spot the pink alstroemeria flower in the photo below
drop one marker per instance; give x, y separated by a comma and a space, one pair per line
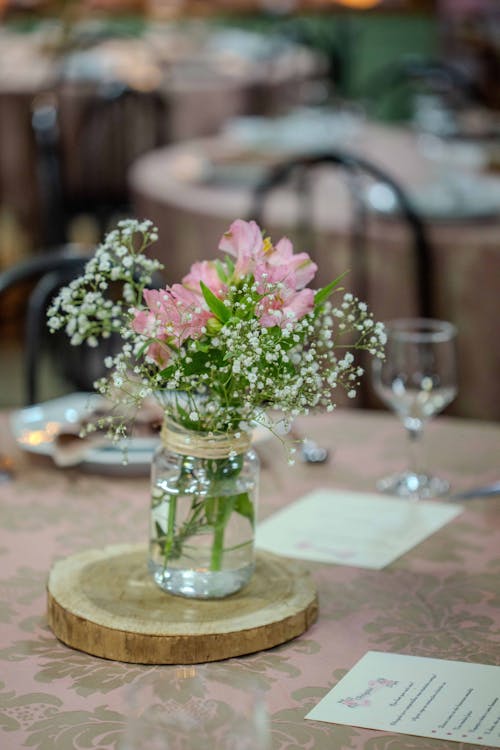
174, 314
300, 263
159, 353
285, 307
266, 274
205, 271
270, 266
243, 240
192, 312
149, 325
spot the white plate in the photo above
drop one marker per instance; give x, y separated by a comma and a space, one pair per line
473, 198
35, 428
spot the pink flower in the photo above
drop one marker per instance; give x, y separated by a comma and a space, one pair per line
159, 353
300, 263
289, 301
205, 271
301, 303
266, 274
188, 313
174, 314
147, 323
243, 240
284, 307
144, 322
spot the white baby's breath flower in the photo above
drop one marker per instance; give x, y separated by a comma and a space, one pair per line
230, 367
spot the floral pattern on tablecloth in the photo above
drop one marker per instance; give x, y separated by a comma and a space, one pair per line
441, 599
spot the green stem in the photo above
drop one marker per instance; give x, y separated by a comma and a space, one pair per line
224, 511
217, 547
170, 536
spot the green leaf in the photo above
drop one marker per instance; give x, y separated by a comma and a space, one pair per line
202, 347
229, 265
214, 304
244, 506
144, 348
198, 362
221, 271
167, 372
323, 294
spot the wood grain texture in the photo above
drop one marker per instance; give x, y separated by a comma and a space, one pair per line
105, 603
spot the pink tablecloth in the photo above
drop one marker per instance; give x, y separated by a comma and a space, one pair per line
173, 188
441, 599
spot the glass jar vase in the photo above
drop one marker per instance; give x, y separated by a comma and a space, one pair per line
204, 493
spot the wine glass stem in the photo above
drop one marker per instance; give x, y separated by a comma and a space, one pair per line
415, 439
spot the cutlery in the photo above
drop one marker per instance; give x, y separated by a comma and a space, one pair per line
312, 453
487, 490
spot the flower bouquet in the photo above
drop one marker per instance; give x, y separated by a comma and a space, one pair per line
242, 340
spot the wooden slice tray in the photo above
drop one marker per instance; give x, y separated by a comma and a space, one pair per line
104, 602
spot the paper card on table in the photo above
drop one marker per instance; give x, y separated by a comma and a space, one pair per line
352, 528
416, 695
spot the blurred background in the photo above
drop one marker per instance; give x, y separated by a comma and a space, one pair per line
182, 111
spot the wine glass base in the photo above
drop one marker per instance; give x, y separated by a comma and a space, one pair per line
414, 486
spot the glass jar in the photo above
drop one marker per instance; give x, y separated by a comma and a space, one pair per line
204, 493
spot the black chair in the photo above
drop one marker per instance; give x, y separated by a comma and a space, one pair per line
42, 275
393, 90
47, 272
299, 172
82, 164
355, 169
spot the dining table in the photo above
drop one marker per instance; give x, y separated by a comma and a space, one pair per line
204, 73
193, 190
439, 599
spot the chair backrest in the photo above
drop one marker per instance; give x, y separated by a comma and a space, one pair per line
354, 167
47, 272
117, 124
79, 366
398, 85
83, 158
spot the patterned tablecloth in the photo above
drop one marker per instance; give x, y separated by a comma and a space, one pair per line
441, 599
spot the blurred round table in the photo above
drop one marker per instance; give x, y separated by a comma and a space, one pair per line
205, 74
194, 190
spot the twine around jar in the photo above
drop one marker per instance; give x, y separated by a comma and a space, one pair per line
204, 445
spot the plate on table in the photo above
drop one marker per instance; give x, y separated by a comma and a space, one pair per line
36, 427
473, 198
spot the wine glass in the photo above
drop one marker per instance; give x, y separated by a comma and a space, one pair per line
417, 379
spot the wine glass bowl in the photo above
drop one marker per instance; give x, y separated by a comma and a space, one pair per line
417, 379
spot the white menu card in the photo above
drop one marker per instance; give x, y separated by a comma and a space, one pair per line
352, 528
449, 700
